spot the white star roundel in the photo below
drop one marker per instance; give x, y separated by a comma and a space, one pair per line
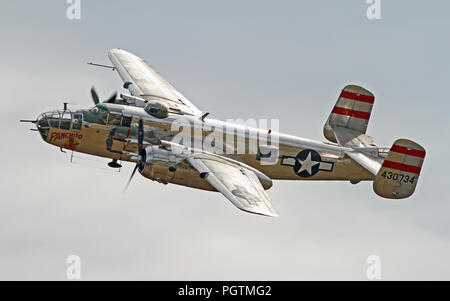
307, 163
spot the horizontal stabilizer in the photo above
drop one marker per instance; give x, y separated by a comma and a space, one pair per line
367, 161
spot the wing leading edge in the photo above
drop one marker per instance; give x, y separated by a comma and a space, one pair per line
144, 82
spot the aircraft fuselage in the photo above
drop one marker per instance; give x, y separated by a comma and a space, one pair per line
110, 130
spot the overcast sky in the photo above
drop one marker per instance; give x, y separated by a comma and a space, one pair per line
235, 59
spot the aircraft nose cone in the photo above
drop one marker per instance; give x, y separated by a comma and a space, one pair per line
42, 121
43, 125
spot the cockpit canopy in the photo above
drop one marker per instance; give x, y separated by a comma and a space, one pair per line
60, 119
102, 115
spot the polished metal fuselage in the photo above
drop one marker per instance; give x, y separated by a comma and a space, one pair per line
118, 142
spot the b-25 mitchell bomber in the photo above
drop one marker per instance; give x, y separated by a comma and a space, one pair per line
164, 134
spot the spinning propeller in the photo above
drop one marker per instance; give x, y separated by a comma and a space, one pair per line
96, 99
141, 151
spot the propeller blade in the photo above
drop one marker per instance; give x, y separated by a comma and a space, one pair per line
112, 98
131, 177
140, 137
94, 96
140, 134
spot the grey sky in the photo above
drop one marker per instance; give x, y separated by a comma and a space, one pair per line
256, 59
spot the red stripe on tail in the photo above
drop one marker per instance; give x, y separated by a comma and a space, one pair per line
357, 96
352, 113
401, 166
408, 151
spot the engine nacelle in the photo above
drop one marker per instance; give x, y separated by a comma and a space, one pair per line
159, 164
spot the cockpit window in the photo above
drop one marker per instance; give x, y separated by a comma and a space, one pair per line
103, 116
53, 119
65, 121
114, 119
77, 121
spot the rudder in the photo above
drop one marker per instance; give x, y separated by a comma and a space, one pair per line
350, 115
397, 177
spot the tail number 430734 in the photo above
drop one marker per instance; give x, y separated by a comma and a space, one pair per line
399, 178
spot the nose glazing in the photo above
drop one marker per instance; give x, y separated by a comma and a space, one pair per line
42, 121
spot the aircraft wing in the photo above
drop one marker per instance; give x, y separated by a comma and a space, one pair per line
146, 83
236, 182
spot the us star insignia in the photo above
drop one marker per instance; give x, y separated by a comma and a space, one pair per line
307, 163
